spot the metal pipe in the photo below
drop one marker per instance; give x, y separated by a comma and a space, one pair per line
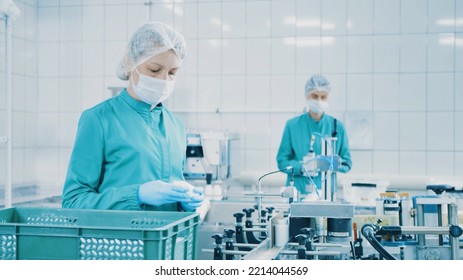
439, 223
245, 245
333, 181
260, 224
255, 229
267, 194
260, 192
259, 198
369, 231
321, 245
453, 214
454, 241
9, 109
312, 253
424, 230
324, 179
228, 252
9, 13
420, 222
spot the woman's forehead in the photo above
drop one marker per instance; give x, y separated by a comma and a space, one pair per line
166, 59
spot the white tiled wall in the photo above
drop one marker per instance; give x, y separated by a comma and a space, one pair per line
24, 96
398, 62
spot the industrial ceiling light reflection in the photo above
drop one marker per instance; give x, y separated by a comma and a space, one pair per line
177, 10
450, 22
328, 25
289, 41
450, 40
226, 27
302, 22
215, 21
308, 42
328, 40
213, 43
349, 24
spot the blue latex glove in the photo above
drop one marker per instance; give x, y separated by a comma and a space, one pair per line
195, 201
325, 163
158, 192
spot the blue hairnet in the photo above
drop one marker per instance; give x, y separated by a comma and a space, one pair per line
317, 83
150, 40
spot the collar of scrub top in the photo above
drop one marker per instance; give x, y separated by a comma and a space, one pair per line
138, 106
309, 118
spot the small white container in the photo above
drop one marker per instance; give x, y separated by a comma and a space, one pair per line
208, 191
281, 232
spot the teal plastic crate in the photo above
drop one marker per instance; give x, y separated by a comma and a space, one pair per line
78, 234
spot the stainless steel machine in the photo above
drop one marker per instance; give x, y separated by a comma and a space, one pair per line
328, 228
320, 229
208, 155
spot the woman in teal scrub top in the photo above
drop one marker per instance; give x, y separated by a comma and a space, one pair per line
129, 150
298, 132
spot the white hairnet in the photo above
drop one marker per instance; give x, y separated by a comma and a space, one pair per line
150, 40
317, 83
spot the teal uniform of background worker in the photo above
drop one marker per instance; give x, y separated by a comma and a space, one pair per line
130, 150
297, 135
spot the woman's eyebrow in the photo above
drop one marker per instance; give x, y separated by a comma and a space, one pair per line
155, 64
160, 65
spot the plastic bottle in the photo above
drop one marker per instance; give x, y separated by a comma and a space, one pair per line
281, 232
208, 191
310, 159
217, 192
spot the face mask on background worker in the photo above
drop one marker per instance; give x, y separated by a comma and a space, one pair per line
317, 106
317, 90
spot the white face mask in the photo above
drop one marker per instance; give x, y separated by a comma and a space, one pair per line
317, 106
152, 90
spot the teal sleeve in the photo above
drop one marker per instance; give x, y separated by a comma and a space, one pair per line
286, 155
85, 171
344, 151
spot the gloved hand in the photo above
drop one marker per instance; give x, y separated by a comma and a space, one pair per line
196, 196
325, 163
158, 192
195, 201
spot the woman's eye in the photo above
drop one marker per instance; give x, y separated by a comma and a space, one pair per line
171, 73
154, 70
